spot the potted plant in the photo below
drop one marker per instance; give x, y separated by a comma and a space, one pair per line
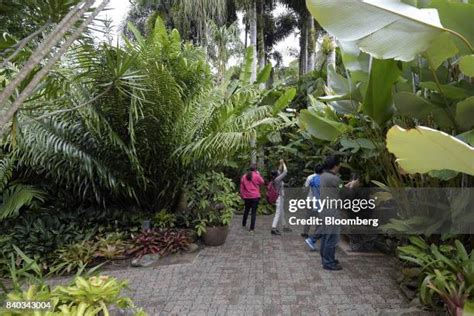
212, 199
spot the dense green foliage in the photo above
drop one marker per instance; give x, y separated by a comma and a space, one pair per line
84, 295
212, 199
447, 272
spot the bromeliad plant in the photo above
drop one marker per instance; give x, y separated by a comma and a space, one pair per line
213, 199
147, 242
85, 295
94, 295
173, 241
72, 257
447, 272
112, 246
159, 241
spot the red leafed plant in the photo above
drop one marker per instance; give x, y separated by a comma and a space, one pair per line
154, 241
147, 242
173, 241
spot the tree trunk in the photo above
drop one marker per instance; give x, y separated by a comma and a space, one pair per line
261, 158
253, 37
311, 43
319, 52
253, 150
246, 34
303, 48
331, 59
252, 16
203, 29
260, 34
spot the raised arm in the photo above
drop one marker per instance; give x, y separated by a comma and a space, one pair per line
283, 171
259, 179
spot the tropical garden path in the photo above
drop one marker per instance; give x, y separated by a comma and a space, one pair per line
260, 274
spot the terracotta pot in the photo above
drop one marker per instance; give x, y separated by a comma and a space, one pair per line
215, 236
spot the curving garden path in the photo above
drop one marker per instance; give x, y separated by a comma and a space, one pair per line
260, 274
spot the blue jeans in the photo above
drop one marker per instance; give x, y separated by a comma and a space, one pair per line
329, 239
329, 242
317, 234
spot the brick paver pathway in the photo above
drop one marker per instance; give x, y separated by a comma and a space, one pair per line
260, 274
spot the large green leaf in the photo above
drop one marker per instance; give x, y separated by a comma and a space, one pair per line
246, 72
458, 17
283, 101
465, 113
138, 36
384, 29
467, 137
355, 61
466, 64
337, 84
342, 94
321, 127
449, 91
441, 49
411, 105
378, 101
264, 74
356, 144
422, 149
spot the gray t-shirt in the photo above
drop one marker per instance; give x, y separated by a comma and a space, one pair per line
331, 187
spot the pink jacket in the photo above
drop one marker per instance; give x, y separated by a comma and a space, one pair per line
250, 189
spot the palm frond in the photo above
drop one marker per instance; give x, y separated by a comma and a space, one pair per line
7, 164
17, 196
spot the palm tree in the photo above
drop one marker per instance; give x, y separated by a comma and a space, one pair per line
228, 119
188, 16
224, 42
252, 17
310, 36
311, 43
299, 8
55, 37
202, 12
101, 118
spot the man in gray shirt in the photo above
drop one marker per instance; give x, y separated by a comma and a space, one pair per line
331, 189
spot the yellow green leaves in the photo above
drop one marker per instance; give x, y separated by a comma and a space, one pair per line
422, 149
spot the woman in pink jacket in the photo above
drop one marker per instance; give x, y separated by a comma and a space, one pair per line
250, 193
